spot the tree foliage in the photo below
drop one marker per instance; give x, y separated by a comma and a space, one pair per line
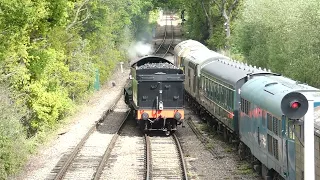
208, 21
282, 36
50, 51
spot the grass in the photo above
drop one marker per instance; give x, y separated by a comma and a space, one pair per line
228, 149
245, 169
209, 145
191, 175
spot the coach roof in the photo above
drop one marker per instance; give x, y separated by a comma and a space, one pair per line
230, 71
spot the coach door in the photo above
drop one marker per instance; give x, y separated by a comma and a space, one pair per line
191, 73
289, 149
195, 79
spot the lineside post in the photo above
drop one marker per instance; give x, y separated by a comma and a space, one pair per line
309, 170
121, 66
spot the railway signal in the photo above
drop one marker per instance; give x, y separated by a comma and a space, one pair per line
294, 105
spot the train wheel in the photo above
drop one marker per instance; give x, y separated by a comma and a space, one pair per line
265, 172
230, 138
225, 134
241, 151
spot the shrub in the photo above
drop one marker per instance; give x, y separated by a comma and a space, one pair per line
13, 147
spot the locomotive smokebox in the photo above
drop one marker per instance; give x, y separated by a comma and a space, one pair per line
294, 105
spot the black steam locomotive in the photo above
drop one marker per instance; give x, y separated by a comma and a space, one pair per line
156, 93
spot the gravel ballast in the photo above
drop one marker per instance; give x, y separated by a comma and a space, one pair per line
201, 164
127, 159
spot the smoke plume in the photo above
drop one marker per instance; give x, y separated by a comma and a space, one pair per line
139, 49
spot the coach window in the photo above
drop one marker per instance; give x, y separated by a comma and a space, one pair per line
206, 86
247, 107
224, 95
290, 132
202, 79
182, 62
232, 96
210, 89
220, 93
226, 101
230, 99
227, 98
299, 131
215, 91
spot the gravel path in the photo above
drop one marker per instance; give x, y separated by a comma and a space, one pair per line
201, 164
41, 164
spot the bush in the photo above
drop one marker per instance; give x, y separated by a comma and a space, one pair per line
282, 36
13, 147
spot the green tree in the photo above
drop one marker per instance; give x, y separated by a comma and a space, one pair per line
282, 36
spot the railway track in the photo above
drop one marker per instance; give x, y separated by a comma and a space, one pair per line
87, 159
203, 139
164, 158
164, 45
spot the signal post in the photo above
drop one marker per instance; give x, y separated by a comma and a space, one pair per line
309, 172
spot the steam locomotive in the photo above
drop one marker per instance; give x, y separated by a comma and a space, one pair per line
155, 93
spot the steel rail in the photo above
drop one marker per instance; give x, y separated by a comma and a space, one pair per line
182, 159
171, 42
164, 37
200, 136
76, 150
148, 157
110, 147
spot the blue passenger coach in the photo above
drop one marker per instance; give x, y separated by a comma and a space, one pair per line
271, 123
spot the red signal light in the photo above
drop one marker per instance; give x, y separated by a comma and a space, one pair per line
295, 105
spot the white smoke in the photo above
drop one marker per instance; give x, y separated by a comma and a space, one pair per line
138, 49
